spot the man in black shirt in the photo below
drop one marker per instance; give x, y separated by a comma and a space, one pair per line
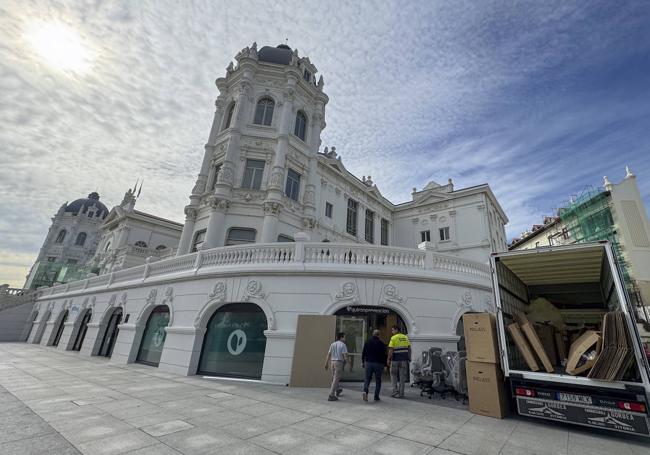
373, 359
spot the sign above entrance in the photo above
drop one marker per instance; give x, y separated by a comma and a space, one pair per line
367, 310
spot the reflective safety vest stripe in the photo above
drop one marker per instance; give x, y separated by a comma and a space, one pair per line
400, 344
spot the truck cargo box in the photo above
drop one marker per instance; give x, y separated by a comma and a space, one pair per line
596, 373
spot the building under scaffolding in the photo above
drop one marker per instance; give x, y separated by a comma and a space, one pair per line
614, 213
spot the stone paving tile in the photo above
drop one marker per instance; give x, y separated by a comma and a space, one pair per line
198, 440
86, 430
283, 440
161, 429
156, 449
423, 435
391, 445
240, 448
355, 438
117, 444
318, 426
50, 444
473, 444
251, 428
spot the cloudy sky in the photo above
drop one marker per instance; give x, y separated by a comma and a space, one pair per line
538, 99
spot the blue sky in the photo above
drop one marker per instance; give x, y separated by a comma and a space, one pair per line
538, 99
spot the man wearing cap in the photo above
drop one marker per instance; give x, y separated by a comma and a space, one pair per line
399, 356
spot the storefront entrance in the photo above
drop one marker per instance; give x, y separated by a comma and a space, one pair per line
59, 329
358, 323
153, 338
110, 335
234, 342
81, 333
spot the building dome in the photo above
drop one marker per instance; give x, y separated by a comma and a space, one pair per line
280, 55
82, 206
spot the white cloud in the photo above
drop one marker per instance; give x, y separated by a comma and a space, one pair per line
417, 92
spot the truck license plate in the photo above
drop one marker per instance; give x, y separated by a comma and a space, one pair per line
574, 398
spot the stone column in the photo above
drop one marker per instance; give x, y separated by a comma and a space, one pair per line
122, 237
185, 242
270, 224
127, 343
214, 235
378, 218
452, 228
361, 222
273, 202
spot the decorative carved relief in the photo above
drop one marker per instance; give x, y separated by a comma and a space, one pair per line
390, 294
219, 292
123, 300
226, 175
151, 299
218, 203
190, 213
348, 294
199, 186
169, 296
272, 208
309, 223
309, 197
276, 179
254, 289
112, 300
489, 304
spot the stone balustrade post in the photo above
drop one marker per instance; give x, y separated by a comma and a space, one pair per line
428, 249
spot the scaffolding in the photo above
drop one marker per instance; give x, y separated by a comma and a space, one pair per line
588, 218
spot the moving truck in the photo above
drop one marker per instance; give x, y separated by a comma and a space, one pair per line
567, 294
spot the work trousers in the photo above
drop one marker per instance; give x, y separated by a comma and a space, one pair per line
398, 372
376, 369
337, 372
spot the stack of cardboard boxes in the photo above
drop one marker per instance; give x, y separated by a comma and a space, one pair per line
485, 384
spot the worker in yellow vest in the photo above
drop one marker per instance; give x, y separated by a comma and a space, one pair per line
399, 356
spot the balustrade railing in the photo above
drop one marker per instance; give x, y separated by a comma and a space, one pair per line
312, 254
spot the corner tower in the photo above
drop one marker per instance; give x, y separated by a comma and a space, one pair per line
258, 178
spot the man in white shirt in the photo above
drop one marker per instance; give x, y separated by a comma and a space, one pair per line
337, 356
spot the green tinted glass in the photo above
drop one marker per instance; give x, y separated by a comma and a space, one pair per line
234, 343
153, 338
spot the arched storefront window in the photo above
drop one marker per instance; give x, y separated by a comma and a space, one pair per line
81, 333
234, 343
358, 323
110, 334
59, 329
153, 338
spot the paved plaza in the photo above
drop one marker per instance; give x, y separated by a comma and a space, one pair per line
54, 402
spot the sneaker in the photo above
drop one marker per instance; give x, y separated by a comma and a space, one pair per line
339, 392
365, 396
377, 399
332, 398
394, 395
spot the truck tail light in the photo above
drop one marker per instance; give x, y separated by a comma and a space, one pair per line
631, 406
521, 391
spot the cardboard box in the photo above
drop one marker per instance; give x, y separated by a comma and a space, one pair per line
486, 389
523, 346
481, 337
588, 341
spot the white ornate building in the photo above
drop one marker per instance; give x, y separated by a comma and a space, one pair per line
275, 229
130, 237
70, 242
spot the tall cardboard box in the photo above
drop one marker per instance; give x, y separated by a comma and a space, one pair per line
481, 337
486, 389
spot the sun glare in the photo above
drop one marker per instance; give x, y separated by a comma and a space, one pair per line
60, 46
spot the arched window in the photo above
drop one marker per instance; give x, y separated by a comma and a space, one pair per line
199, 239
81, 239
161, 247
141, 244
301, 125
108, 245
264, 112
153, 338
237, 236
234, 343
229, 114
61, 237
